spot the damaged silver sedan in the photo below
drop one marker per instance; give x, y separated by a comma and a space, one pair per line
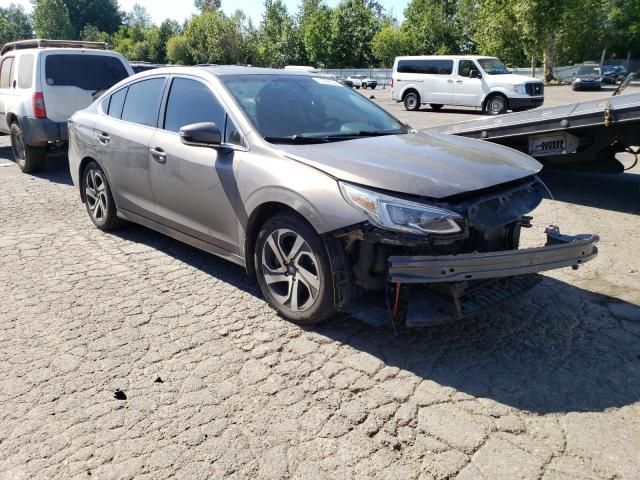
332, 203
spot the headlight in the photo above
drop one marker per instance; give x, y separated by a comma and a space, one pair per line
519, 88
578, 80
401, 215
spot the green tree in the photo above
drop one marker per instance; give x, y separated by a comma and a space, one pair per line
91, 33
277, 36
315, 30
389, 43
14, 24
354, 23
432, 27
178, 51
168, 28
51, 20
102, 14
208, 5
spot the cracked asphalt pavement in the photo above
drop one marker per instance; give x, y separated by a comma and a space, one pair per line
218, 386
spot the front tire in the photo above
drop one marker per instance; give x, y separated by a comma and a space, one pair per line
293, 270
98, 198
412, 101
496, 105
29, 159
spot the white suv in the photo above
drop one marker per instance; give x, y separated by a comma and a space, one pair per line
43, 83
474, 81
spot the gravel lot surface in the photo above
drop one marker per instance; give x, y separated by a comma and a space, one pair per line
218, 386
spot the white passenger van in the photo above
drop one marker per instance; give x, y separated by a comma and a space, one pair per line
474, 81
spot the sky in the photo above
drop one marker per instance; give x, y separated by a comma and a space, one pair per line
183, 9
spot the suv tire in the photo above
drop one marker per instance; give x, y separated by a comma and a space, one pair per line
98, 198
412, 101
287, 246
29, 159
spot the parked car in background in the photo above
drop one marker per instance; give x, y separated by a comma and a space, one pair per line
344, 81
138, 67
363, 81
613, 73
334, 204
42, 83
474, 81
588, 76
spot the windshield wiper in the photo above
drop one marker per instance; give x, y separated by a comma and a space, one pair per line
297, 139
364, 133
101, 89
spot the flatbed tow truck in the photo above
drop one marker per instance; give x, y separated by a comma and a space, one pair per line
586, 136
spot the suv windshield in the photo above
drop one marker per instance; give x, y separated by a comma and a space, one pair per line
88, 72
588, 70
306, 109
493, 66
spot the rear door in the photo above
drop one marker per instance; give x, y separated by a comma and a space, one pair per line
7, 92
72, 80
467, 91
194, 188
122, 136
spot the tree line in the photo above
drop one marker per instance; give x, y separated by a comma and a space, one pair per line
353, 34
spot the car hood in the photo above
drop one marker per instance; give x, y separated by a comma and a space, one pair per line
424, 164
510, 79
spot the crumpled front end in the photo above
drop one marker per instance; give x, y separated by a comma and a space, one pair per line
432, 279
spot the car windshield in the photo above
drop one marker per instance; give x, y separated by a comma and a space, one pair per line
307, 109
588, 70
493, 66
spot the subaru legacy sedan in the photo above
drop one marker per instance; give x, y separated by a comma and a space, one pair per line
331, 202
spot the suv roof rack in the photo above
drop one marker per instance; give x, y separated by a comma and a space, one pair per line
42, 43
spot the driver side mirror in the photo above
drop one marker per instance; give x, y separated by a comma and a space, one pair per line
204, 134
474, 74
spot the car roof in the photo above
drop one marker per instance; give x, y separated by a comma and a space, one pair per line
445, 57
224, 70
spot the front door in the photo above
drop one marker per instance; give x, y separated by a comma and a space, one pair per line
467, 91
194, 187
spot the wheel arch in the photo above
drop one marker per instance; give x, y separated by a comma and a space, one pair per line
493, 94
408, 90
82, 166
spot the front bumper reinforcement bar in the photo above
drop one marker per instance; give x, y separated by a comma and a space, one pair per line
560, 251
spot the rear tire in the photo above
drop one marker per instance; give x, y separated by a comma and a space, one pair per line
436, 106
412, 101
293, 270
98, 198
29, 159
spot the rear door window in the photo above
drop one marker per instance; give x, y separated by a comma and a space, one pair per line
25, 71
142, 104
6, 71
116, 102
428, 67
88, 72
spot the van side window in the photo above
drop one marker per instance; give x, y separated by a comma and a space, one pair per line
6, 70
429, 67
25, 71
142, 104
465, 66
116, 102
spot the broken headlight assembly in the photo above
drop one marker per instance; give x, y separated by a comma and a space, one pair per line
401, 215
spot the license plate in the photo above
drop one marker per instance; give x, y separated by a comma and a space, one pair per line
553, 144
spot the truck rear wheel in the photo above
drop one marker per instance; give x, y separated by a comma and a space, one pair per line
412, 101
29, 159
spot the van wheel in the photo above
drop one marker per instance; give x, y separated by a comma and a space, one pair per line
412, 101
496, 104
293, 270
29, 159
436, 106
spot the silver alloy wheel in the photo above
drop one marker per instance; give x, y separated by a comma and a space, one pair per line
290, 270
95, 191
496, 105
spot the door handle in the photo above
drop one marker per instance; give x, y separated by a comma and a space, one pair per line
449, 81
104, 138
458, 81
158, 155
